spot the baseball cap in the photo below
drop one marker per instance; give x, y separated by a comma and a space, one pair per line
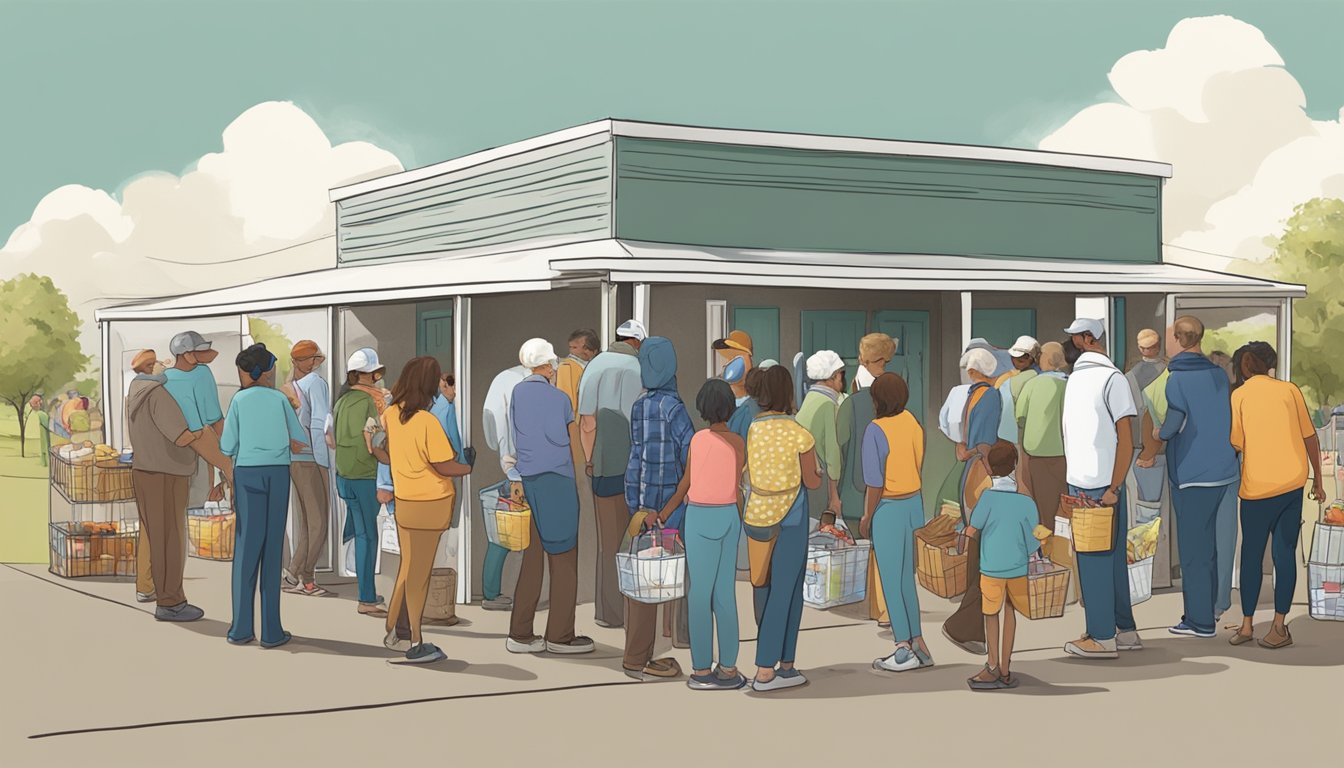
144, 359
1023, 346
364, 360
188, 341
304, 350
536, 353
823, 365
632, 329
1086, 325
738, 340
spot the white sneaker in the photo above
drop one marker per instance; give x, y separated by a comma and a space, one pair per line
1128, 641
902, 660
1092, 648
535, 645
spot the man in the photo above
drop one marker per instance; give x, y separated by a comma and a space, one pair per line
817, 414
660, 442
542, 421
192, 385
1025, 355
161, 473
1203, 470
143, 364
607, 393
308, 470
499, 437
583, 347
1151, 464
734, 345
43, 425
1039, 411
1098, 447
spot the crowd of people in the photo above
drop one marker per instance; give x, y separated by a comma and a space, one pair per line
1031, 424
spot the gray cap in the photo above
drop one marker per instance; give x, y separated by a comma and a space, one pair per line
187, 341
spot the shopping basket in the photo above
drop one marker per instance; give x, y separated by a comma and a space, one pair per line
1093, 526
1047, 589
654, 570
211, 531
1141, 581
1325, 570
836, 571
941, 569
508, 522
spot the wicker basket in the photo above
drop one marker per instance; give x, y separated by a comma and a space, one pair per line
508, 522
76, 551
940, 568
211, 533
1093, 529
1047, 589
86, 480
837, 573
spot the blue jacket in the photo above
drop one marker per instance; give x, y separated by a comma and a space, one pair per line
1198, 429
660, 433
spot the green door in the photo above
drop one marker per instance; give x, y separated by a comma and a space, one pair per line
762, 325
434, 336
1001, 327
836, 330
910, 329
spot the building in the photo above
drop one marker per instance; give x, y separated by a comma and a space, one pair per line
806, 242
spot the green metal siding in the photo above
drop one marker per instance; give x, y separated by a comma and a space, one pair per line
567, 196
758, 197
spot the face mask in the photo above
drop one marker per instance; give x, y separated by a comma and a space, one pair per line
735, 371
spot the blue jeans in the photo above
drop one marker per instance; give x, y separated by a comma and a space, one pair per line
492, 572
779, 604
1279, 517
1104, 578
711, 538
1197, 542
361, 505
1226, 530
262, 498
894, 525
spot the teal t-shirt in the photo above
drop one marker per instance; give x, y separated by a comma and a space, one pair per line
258, 428
1007, 523
196, 394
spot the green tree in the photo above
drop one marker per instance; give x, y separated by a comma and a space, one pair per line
1311, 252
39, 343
273, 336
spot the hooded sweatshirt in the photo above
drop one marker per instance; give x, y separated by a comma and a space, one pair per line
155, 422
660, 433
1198, 426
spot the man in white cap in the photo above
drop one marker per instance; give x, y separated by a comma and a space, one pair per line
354, 418
542, 420
499, 438
1098, 448
817, 414
1026, 355
192, 385
607, 392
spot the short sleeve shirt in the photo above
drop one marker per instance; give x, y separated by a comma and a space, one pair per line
774, 444
1095, 398
1270, 425
1007, 523
196, 394
413, 447
353, 460
893, 454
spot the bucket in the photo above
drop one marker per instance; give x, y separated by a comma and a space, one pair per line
441, 604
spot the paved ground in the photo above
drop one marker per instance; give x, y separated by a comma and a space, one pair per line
90, 678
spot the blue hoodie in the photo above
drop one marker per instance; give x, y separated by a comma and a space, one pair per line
1198, 429
660, 433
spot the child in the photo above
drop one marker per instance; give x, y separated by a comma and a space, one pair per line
1007, 524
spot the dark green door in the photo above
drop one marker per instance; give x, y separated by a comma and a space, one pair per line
910, 329
434, 336
836, 330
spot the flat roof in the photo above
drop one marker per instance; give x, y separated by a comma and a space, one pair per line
783, 140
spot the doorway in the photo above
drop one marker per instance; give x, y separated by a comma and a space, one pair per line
910, 329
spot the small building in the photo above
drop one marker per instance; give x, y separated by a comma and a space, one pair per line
806, 242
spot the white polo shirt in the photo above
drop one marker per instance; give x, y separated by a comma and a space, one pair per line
1097, 396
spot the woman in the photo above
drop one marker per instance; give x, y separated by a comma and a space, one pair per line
360, 405
893, 455
260, 432
423, 466
1272, 430
781, 464
712, 529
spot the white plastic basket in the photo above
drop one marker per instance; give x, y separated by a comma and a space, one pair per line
836, 571
1325, 591
654, 570
1327, 544
1141, 581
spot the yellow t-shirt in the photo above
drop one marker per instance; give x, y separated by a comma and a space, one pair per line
773, 448
1269, 423
413, 446
905, 454
567, 378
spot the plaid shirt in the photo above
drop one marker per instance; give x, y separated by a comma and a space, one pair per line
660, 439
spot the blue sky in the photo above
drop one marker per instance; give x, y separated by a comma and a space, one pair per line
96, 93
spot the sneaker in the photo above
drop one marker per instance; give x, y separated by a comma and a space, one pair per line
294, 589
779, 682
290, 579
180, 612
394, 643
791, 672
579, 644
925, 659
902, 660
657, 669
277, 643
884, 625
1089, 648
1188, 630
500, 603
973, 647
717, 680
241, 641
424, 653
372, 609
146, 597
531, 645
607, 624
1128, 641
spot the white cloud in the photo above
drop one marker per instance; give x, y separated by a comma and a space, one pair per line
167, 235
1218, 105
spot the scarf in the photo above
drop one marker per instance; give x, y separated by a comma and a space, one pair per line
377, 394
1004, 484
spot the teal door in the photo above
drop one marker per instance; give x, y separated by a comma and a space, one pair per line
1001, 327
910, 329
836, 330
762, 325
434, 336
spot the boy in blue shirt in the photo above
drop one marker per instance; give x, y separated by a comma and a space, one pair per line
1007, 524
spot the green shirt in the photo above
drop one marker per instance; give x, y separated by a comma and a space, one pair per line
352, 412
1040, 414
1155, 398
818, 416
856, 413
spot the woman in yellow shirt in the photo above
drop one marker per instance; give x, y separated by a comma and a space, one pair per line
423, 467
1274, 434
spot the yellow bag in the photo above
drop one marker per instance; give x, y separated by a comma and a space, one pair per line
1093, 529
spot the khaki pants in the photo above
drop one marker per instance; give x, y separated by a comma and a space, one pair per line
418, 547
613, 517
311, 522
564, 592
144, 577
161, 501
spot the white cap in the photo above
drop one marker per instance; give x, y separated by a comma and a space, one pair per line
363, 361
1086, 325
823, 365
980, 360
536, 353
1023, 346
632, 329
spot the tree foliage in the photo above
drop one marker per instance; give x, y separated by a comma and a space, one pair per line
273, 336
39, 342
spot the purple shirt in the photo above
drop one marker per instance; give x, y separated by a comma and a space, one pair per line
539, 416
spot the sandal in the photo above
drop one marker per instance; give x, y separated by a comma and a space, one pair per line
977, 683
1278, 641
1008, 682
1240, 639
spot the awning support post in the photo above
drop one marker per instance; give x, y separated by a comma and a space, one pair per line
462, 371
111, 426
642, 292
1285, 339
965, 320
607, 298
